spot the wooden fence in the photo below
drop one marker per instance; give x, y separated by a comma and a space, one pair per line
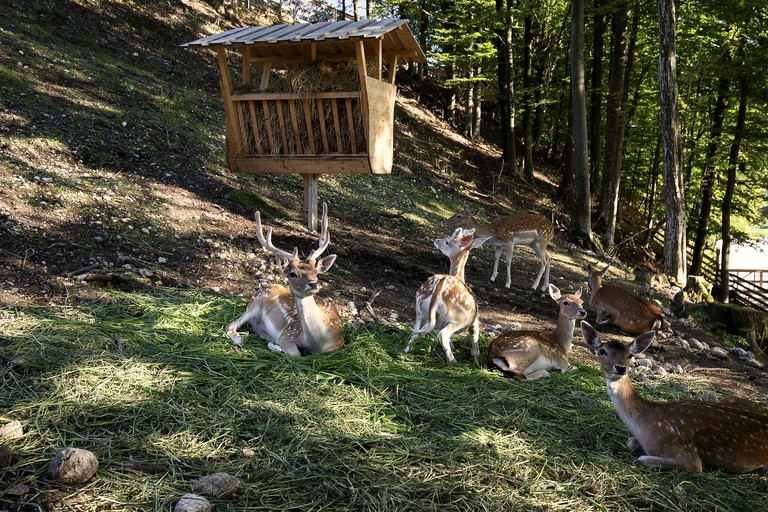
746, 286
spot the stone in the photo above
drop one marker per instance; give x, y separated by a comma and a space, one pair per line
18, 490
719, 352
10, 431
697, 289
756, 364
73, 466
192, 503
5, 456
217, 485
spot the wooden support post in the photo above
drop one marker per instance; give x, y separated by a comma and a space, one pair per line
379, 57
363, 74
392, 69
233, 138
311, 182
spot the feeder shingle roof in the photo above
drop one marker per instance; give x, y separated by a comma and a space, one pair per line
331, 38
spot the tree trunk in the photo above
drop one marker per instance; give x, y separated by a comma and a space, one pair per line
477, 110
581, 210
527, 103
596, 99
469, 107
709, 175
355, 10
423, 33
674, 194
730, 187
504, 46
651, 195
450, 104
614, 130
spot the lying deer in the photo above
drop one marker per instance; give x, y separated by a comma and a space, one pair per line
617, 306
293, 319
529, 355
444, 302
731, 434
532, 230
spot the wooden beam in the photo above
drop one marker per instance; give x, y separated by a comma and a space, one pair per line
266, 69
246, 66
379, 56
362, 72
294, 96
226, 93
392, 69
311, 183
330, 164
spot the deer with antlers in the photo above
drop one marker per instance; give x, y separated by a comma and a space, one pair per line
293, 319
614, 305
444, 302
731, 434
532, 230
531, 355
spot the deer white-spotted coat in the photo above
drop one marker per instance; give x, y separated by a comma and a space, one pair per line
531, 355
731, 435
293, 319
444, 303
532, 230
614, 305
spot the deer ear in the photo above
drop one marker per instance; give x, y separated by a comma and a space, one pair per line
325, 264
642, 342
477, 242
281, 260
554, 292
578, 292
465, 241
590, 336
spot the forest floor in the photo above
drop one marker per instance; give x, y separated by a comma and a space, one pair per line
102, 189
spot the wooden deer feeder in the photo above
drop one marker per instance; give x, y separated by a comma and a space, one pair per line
311, 98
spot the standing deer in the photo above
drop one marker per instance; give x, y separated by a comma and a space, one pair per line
292, 319
532, 230
529, 355
444, 302
688, 435
614, 305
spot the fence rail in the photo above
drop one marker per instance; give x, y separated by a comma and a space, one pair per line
747, 287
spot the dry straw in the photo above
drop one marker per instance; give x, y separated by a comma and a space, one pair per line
150, 383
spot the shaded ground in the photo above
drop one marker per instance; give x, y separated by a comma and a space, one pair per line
111, 156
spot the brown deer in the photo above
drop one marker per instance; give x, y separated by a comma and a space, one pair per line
614, 305
293, 319
532, 230
688, 435
444, 302
530, 355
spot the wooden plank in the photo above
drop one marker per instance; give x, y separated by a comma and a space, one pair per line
246, 66
362, 72
351, 125
310, 131
226, 93
268, 124
242, 148
295, 125
311, 183
323, 132
337, 125
344, 164
294, 96
281, 121
266, 69
379, 57
392, 69
381, 101
255, 126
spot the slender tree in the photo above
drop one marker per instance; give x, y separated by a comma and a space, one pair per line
596, 97
674, 194
505, 75
527, 95
581, 210
709, 176
730, 187
614, 131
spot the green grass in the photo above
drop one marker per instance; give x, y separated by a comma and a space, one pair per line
151, 379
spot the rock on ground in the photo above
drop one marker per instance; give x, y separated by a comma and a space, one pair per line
192, 503
73, 466
217, 485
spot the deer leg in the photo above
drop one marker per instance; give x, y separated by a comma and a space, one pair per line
510, 252
251, 311
685, 462
474, 334
413, 339
287, 346
497, 255
538, 374
445, 341
545, 259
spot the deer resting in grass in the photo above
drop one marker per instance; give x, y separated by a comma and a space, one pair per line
532, 230
444, 303
614, 305
731, 434
530, 355
293, 319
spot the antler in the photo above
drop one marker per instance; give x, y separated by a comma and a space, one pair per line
267, 243
325, 238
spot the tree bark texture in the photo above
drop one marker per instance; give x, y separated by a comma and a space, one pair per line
596, 98
527, 95
674, 194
